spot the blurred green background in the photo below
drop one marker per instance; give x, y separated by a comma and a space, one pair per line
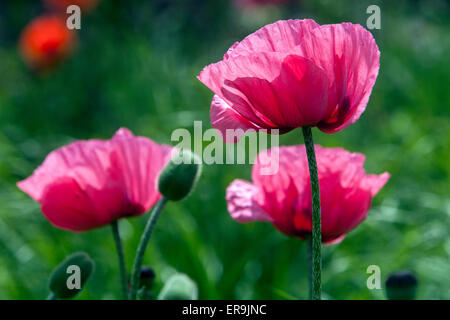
136, 66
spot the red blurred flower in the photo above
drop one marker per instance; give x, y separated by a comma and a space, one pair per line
284, 198
46, 41
292, 74
88, 184
61, 5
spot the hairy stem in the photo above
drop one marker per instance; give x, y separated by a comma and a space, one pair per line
121, 258
316, 225
309, 265
51, 296
135, 276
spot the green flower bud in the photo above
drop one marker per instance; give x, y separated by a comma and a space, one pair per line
179, 176
401, 285
147, 277
70, 276
179, 287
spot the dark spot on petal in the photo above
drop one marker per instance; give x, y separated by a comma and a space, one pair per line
343, 109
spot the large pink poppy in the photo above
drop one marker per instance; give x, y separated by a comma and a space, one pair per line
294, 73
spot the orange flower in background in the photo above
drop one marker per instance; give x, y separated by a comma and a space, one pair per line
46, 41
61, 5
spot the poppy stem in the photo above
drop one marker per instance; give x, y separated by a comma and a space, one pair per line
316, 225
121, 257
51, 296
135, 276
309, 265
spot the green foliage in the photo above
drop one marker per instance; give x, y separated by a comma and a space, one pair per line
135, 66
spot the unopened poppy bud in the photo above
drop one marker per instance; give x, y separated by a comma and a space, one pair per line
146, 284
147, 277
69, 277
179, 176
179, 287
401, 285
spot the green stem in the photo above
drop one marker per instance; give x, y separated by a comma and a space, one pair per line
135, 276
51, 296
316, 226
121, 257
309, 265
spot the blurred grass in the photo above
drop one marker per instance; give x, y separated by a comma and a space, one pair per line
135, 66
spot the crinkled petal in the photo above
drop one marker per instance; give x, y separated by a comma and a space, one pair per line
374, 183
281, 36
224, 118
241, 204
350, 57
271, 90
85, 161
140, 161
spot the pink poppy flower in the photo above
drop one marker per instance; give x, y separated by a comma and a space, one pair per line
88, 184
294, 73
284, 198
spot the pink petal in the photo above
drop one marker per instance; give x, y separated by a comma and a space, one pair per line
139, 160
271, 90
219, 78
241, 205
230, 50
85, 161
292, 164
223, 117
334, 240
68, 206
346, 198
374, 183
282, 192
351, 59
281, 36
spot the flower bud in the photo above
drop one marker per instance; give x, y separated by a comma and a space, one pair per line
401, 285
179, 176
179, 287
145, 291
69, 277
147, 277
